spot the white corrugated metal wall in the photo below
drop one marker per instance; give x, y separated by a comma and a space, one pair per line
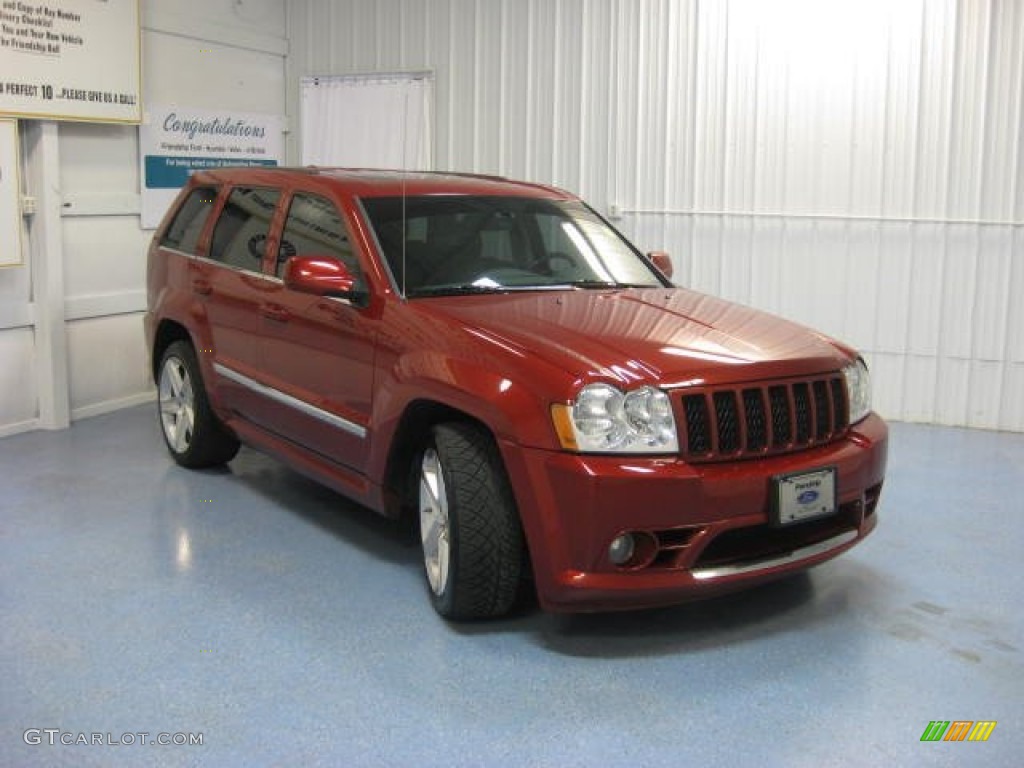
853, 165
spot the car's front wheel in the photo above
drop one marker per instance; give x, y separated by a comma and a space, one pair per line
469, 527
194, 435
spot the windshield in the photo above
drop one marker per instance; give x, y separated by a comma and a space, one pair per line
471, 244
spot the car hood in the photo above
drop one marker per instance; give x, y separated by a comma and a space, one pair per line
671, 337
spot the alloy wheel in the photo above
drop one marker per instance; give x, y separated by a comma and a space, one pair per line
434, 528
177, 405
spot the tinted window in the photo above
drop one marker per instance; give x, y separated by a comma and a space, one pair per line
464, 243
240, 237
188, 223
315, 228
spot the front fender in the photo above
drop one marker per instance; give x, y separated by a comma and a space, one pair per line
512, 406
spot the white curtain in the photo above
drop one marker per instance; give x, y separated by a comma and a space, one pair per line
368, 121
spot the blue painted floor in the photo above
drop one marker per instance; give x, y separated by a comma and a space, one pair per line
290, 628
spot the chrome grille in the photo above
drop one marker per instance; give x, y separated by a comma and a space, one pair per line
760, 419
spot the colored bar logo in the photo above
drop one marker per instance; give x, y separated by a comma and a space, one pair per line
958, 730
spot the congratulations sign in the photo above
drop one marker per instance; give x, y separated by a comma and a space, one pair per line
70, 60
174, 141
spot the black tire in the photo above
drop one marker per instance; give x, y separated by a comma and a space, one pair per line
194, 436
484, 536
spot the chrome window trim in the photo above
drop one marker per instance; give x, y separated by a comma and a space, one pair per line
796, 556
223, 265
241, 270
176, 251
292, 402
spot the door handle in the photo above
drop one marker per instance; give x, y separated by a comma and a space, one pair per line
202, 286
276, 312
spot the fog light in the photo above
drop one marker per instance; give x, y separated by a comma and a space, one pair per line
621, 549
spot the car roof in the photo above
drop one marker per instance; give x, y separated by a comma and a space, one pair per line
370, 182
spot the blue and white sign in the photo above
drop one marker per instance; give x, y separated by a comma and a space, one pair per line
174, 141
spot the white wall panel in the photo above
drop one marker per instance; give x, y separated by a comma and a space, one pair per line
1004, 111
1011, 407
984, 396
888, 377
919, 388
991, 296
19, 408
893, 286
767, 247
256, 25
734, 281
103, 255
98, 385
934, 120
15, 293
1015, 312
959, 291
925, 299
206, 73
854, 166
952, 391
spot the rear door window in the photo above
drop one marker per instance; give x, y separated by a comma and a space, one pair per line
240, 236
184, 231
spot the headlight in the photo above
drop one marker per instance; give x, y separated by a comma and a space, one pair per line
858, 390
604, 419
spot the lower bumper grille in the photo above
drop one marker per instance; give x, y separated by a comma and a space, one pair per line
672, 547
764, 541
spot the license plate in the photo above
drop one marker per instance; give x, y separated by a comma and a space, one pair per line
801, 496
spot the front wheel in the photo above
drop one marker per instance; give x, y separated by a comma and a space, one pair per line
194, 435
469, 527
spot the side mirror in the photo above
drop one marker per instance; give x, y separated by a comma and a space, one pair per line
661, 260
322, 276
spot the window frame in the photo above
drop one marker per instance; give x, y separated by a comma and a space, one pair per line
271, 266
199, 246
273, 227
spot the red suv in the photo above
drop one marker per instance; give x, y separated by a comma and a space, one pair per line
494, 358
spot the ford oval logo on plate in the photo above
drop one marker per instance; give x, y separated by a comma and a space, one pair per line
807, 497
802, 496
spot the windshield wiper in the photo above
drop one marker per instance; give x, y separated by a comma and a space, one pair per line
455, 290
592, 284
589, 285
464, 289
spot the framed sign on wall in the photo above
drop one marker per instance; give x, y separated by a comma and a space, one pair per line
176, 140
70, 60
10, 192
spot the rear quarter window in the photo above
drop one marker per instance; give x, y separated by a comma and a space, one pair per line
188, 222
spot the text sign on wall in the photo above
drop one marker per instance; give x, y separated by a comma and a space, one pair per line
174, 141
70, 59
10, 192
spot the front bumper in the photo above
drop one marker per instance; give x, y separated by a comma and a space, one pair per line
708, 523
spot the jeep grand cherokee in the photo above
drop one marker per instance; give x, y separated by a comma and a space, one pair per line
495, 359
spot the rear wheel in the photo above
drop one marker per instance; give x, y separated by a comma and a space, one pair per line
194, 435
469, 527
